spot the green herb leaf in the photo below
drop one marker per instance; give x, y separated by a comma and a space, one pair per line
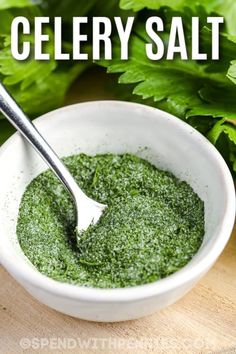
223, 135
6, 4
137, 5
186, 86
38, 86
223, 126
231, 74
191, 90
67, 9
225, 8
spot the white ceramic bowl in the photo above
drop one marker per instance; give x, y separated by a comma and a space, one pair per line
117, 127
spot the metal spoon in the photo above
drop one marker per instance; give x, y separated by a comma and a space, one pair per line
88, 211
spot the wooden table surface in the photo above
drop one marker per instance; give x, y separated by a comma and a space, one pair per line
204, 321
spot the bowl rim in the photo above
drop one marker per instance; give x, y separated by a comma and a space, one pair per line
25, 273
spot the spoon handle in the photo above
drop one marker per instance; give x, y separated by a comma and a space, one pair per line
21, 122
